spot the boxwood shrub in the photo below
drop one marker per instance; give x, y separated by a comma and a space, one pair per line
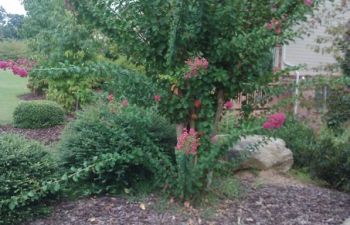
24, 166
120, 147
38, 114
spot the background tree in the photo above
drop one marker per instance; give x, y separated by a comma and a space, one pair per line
59, 41
10, 25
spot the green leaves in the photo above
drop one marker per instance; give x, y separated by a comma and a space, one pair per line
110, 148
27, 168
38, 114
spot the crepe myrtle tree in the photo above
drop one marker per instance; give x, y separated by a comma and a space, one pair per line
203, 53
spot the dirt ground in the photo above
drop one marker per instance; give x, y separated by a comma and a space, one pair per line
44, 135
267, 199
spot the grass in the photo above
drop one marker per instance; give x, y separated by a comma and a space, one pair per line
303, 176
10, 87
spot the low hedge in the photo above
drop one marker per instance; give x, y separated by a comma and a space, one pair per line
25, 165
38, 114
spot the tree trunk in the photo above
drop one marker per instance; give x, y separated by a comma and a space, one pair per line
219, 110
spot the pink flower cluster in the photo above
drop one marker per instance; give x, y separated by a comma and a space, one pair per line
188, 142
275, 25
110, 98
157, 98
19, 71
275, 121
308, 2
125, 103
195, 65
229, 105
20, 67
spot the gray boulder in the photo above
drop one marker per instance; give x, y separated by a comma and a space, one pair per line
262, 153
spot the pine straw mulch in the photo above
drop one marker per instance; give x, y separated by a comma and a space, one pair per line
285, 202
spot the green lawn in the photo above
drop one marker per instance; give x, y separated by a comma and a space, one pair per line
10, 87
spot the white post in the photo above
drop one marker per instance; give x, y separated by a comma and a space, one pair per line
296, 104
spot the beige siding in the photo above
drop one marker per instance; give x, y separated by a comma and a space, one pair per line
301, 52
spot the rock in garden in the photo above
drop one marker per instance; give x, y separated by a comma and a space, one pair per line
347, 222
263, 153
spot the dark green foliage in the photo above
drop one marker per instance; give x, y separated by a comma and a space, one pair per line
24, 166
137, 88
299, 138
331, 160
38, 114
345, 45
338, 105
123, 145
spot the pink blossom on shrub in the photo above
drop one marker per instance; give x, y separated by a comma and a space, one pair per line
275, 25
269, 26
110, 98
125, 103
195, 65
157, 98
214, 139
19, 71
308, 2
188, 142
25, 63
20, 67
197, 103
275, 121
229, 105
3, 65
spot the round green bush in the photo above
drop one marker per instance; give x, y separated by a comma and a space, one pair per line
123, 145
38, 114
24, 166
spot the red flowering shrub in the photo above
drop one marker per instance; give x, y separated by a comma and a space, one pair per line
275, 121
20, 67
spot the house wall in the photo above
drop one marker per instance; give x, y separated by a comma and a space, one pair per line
300, 52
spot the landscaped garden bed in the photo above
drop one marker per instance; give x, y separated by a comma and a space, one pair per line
288, 203
157, 136
45, 135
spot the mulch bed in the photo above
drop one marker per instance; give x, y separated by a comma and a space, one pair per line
265, 205
44, 135
31, 96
